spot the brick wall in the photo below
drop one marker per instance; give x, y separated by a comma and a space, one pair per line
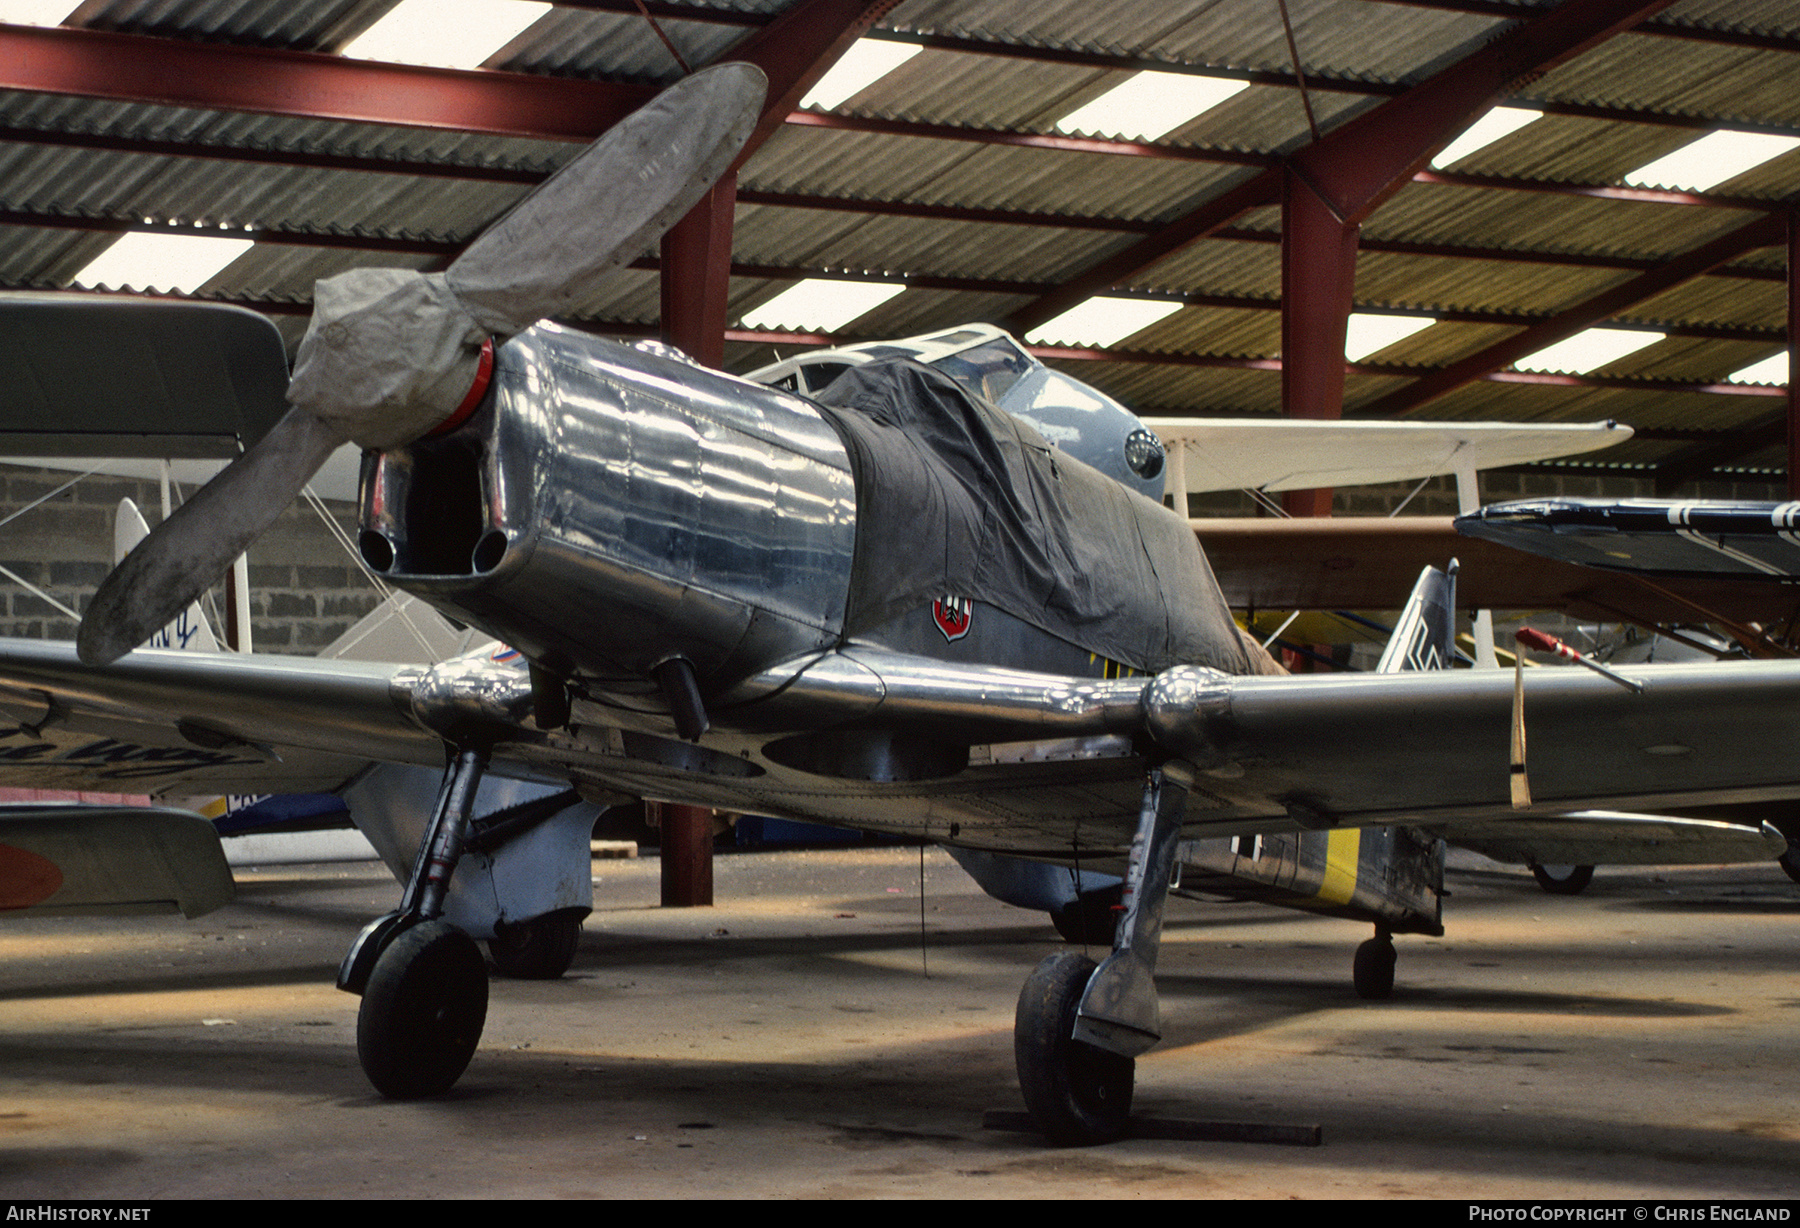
305, 588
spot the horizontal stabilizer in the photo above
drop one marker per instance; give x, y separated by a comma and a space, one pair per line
402, 630
288, 848
75, 859
1608, 837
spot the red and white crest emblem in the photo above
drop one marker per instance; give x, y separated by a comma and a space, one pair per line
953, 616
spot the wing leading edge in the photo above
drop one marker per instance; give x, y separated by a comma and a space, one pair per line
1432, 748
1606, 837
170, 722
1302, 751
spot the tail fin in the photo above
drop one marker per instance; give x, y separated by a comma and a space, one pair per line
1425, 636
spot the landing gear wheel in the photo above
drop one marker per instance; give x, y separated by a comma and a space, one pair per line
1090, 919
1078, 1095
1790, 861
1373, 971
422, 1011
1563, 880
540, 949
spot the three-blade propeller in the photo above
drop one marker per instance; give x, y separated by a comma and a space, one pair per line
391, 354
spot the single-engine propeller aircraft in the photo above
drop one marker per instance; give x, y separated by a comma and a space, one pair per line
889, 605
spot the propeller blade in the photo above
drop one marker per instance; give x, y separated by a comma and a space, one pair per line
192, 548
390, 353
609, 204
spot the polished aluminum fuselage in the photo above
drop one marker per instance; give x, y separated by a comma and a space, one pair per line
611, 507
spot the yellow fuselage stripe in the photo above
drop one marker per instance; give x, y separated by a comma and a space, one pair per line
1343, 851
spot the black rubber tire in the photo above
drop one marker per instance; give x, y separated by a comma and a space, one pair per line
1790, 861
540, 949
422, 1012
1089, 920
1563, 880
1077, 1094
1372, 972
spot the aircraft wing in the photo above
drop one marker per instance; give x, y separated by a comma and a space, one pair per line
69, 859
990, 758
1661, 537
169, 722
179, 379
1360, 563
1432, 748
1054, 759
1608, 837
1278, 454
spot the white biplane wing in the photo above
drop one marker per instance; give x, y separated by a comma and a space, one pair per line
335, 480
1276, 454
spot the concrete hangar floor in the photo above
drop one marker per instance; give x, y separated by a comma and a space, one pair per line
1633, 1041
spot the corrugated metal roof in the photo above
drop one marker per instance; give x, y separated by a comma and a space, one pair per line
917, 138
209, 130
266, 23
614, 46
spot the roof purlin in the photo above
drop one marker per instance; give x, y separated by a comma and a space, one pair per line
1442, 103
1657, 26
1762, 232
272, 81
441, 247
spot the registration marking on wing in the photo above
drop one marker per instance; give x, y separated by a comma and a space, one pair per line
122, 760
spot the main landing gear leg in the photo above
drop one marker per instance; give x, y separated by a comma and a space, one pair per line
422, 980
1079, 1028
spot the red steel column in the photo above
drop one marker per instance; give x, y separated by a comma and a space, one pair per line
687, 879
1318, 275
1359, 165
696, 272
794, 51
1793, 332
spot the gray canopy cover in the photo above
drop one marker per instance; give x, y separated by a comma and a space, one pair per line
955, 497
